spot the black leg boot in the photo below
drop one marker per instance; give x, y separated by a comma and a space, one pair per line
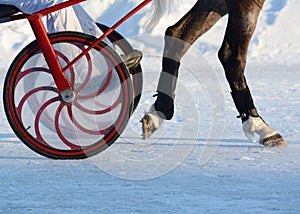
163, 108
244, 104
164, 103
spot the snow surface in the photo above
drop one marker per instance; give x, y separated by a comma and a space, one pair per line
200, 162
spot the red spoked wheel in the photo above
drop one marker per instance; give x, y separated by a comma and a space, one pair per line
57, 129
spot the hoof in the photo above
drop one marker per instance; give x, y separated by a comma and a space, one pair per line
274, 141
148, 126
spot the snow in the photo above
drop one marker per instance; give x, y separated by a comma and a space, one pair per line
200, 162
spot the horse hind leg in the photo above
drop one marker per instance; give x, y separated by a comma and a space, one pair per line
233, 53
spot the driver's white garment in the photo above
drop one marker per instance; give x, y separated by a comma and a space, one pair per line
72, 18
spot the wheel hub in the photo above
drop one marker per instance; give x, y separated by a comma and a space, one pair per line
68, 95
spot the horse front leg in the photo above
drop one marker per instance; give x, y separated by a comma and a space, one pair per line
242, 21
178, 39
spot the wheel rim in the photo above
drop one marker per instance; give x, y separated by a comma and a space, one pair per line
91, 123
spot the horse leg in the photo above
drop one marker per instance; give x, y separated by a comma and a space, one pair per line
243, 15
178, 39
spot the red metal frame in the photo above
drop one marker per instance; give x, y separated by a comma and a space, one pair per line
40, 32
41, 35
48, 51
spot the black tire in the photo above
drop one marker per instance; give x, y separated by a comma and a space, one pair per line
53, 128
136, 73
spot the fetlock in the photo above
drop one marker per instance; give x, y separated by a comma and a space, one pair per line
256, 125
245, 115
164, 106
244, 104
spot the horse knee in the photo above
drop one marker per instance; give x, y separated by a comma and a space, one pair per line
175, 44
224, 53
231, 58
